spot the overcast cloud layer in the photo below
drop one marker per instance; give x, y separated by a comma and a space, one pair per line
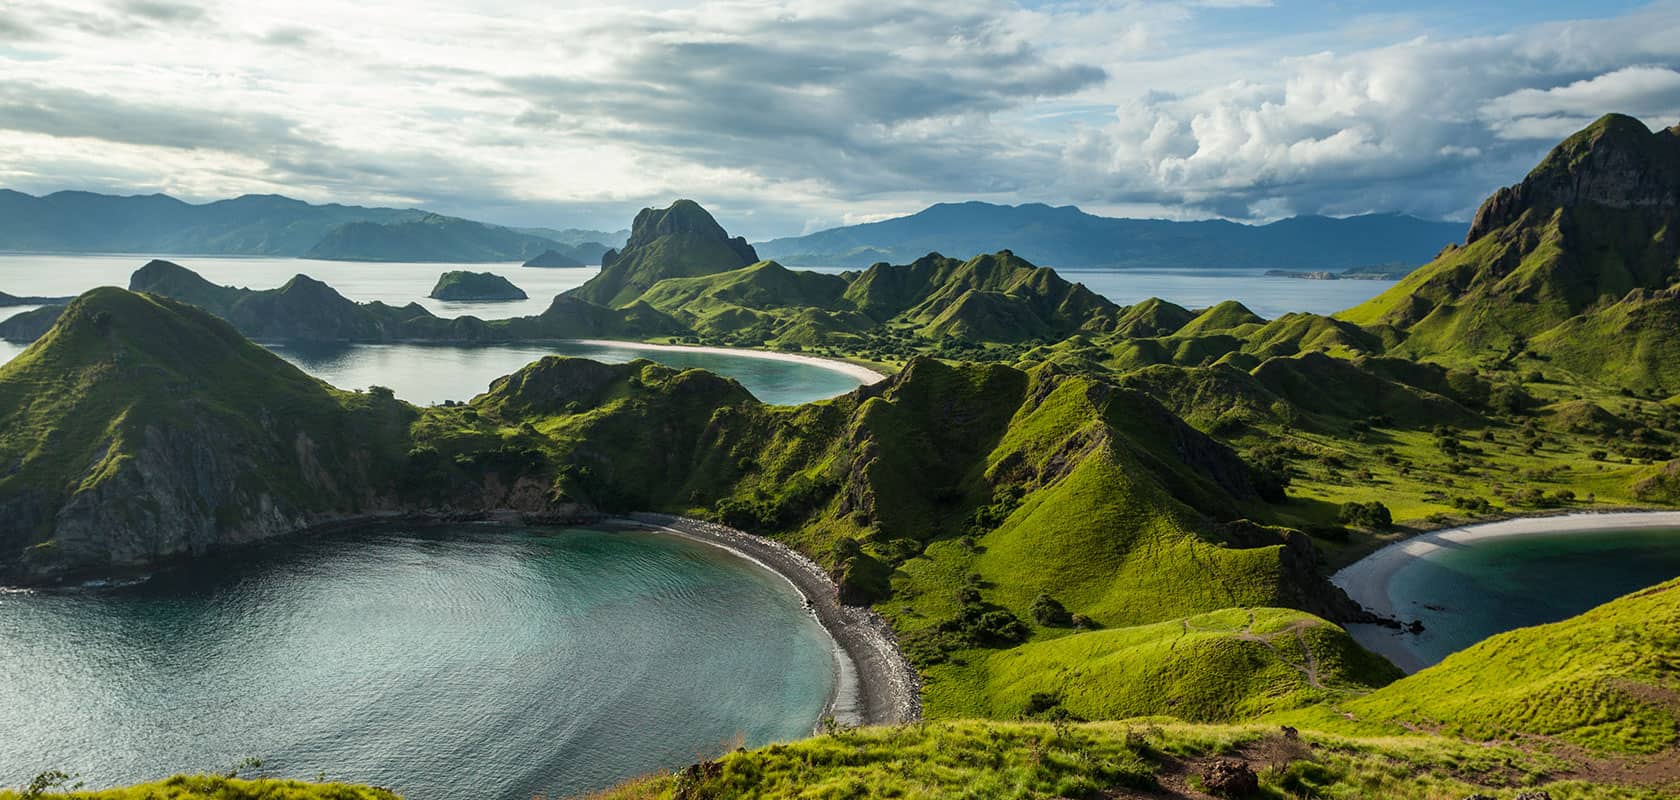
789, 116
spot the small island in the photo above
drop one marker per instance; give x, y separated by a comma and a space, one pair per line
554, 258
7, 300
475, 286
1377, 272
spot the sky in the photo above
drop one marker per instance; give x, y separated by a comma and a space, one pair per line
790, 116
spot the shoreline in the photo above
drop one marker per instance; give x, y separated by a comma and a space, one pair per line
875, 684
865, 374
1367, 580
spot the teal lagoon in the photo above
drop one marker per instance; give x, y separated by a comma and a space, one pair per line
460, 663
1466, 591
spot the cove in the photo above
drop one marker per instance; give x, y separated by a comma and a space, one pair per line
453, 663
424, 373
1467, 584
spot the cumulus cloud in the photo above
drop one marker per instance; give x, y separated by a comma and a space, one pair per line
1426, 126
788, 114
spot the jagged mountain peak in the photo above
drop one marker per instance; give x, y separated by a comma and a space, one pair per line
1615, 162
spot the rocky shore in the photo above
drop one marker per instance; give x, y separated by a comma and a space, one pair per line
877, 685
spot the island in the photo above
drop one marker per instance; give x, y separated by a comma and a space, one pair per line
476, 287
7, 300
553, 259
1089, 544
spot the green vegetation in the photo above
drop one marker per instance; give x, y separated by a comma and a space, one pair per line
137, 412
1142, 758
213, 787
676, 242
1097, 513
463, 285
1608, 679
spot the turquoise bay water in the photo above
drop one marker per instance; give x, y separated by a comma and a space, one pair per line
425, 374
1467, 592
451, 665
434, 373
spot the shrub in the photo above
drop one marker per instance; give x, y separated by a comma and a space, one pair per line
1049, 612
1372, 515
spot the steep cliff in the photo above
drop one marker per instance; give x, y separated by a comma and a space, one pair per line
677, 242
140, 429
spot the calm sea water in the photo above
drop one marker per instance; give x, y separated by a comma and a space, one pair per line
1467, 592
52, 276
464, 664
397, 284
429, 374
434, 373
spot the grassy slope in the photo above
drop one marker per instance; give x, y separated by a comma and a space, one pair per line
216, 787
1220, 666
1131, 759
82, 404
1608, 679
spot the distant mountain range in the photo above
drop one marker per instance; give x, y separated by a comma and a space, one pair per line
1067, 237
270, 225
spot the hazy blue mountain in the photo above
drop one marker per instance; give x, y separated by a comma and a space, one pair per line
580, 236
1068, 237
83, 222
433, 237
269, 225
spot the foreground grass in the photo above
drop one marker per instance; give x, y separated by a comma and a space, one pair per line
1116, 759
1608, 680
217, 787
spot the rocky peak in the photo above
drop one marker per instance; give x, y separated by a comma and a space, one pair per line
677, 242
1616, 162
683, 218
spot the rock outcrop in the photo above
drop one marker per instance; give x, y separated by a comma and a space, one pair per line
1616, 163
682, 241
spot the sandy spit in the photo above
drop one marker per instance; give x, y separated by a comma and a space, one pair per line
876, 684
858, 371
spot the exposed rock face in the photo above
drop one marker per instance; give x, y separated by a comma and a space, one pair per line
1615, 163
684, 218
677, 242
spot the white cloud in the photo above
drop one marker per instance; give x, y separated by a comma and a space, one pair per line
786, 114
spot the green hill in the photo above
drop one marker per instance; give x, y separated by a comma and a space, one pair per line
1608, 679
140, 428
1575, 262
677, 242
463, 285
